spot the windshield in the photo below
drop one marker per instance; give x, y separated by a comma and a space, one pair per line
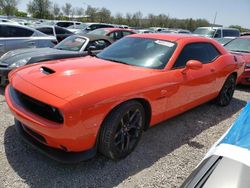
81, 26
72, 43
239, 45
99, 32
150, 53
204, 32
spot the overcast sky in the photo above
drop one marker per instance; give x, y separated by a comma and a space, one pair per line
229, 12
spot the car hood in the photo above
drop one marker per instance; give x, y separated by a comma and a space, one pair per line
80, 76
20, 54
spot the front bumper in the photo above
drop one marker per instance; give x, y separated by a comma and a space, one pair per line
4, 76
56, 154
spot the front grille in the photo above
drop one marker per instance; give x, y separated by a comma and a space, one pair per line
44, 110
34, 134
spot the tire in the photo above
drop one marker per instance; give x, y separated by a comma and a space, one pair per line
122, 130
226, 94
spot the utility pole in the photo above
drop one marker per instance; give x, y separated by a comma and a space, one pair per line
214, 19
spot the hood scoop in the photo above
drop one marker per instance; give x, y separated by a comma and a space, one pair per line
46, 70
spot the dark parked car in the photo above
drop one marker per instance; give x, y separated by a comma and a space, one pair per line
87, 27
13, 36
114, 33
73, 46
56, 31
227, 164
67, 23
217, 32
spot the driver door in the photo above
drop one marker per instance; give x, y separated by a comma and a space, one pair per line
192, 87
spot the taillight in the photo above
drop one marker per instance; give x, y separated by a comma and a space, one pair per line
247, 66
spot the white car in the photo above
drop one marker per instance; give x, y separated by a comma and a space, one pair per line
227, 164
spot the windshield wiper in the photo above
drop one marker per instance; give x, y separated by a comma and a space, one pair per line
243, 51
113, 60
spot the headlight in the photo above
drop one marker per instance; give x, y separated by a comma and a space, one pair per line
20, 63
247, 66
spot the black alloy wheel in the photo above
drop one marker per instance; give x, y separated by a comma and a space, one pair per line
227, 91
122, 130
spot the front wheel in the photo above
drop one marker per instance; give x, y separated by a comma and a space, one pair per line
226, 94
122, 130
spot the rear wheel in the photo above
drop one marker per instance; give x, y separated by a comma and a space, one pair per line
122, 130
226, 94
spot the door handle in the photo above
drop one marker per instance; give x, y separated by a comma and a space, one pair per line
32, 43
212, 70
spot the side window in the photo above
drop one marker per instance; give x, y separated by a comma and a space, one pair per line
46, 30
218, 34
64, 24
230, 33
1, 31
12, 31
93, 27
212, 52
203, 52
61, 31
125, 33
99, 44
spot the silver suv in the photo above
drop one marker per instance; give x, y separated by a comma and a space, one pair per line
217, 32
14, 36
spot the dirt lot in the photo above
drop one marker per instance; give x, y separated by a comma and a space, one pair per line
165, 156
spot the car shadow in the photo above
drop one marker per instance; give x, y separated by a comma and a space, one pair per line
39, 171
245, 88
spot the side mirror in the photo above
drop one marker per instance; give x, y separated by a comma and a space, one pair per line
88, 28
90, 49
192, 65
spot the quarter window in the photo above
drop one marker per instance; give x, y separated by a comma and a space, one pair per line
125, 33
203, 52
46, 30
61, 31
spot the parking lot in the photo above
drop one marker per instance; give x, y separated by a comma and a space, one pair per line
165, 156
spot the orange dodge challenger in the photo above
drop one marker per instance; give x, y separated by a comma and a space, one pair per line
70, 109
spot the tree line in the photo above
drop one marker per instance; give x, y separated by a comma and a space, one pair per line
46, 9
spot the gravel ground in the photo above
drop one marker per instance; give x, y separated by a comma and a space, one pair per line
165, 156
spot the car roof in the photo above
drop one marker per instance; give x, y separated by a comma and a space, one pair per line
96, 37
115, 29
217, 28
18, 25
169, 37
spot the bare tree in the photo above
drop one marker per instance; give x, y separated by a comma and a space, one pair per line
79, 11
104, 15
67, 9
56, 10
92, 13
